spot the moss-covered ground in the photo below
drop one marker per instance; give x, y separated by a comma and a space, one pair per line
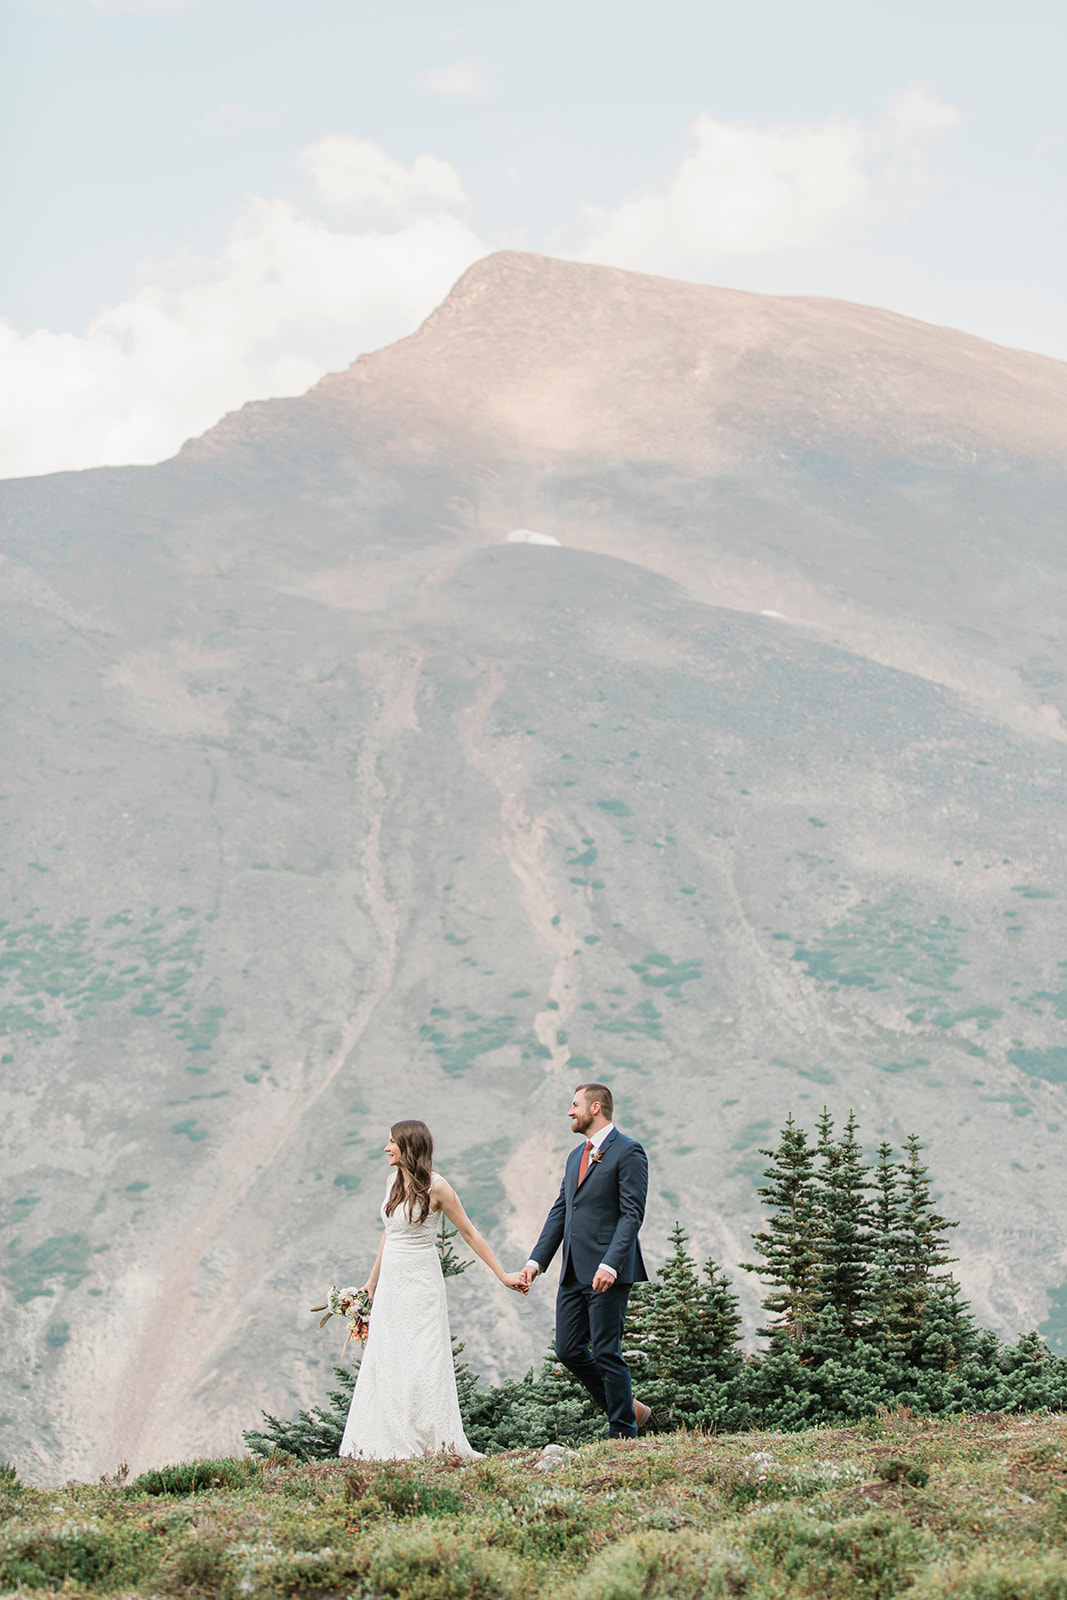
964, 1506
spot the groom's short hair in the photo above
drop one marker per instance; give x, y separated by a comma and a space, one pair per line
601, 1092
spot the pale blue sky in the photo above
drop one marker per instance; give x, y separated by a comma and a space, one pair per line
137, 135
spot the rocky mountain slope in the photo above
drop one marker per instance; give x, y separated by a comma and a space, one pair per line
325, 802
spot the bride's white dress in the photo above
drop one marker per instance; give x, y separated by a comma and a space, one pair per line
405, 1402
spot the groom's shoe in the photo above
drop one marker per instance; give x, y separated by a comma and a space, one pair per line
642, 1414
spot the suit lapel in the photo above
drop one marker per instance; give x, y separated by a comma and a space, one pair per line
572, 1172
593, 1164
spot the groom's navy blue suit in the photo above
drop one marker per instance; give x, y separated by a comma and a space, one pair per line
597, 1222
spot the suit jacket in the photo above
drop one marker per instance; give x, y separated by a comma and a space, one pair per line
598, 1222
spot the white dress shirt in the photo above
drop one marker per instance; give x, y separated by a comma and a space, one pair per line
596, 1140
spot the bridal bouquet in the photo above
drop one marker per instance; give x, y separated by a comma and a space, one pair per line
353, 1305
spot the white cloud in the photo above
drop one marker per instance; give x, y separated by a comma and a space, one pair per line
357, 179
745, 189
290, 296
461, 78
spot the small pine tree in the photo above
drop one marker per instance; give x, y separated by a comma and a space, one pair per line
920, 1244
947, 1334
313, 1435
681, 1339
789, 1245
884, 1300
664, 1329
843, 1229
451, 1265
721, 1323
549, 1408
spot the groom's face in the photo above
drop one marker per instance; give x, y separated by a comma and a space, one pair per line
581, 1114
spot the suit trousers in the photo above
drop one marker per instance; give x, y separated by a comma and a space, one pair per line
589, 1327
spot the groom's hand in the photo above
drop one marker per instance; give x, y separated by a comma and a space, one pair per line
603, 1279
528, 1274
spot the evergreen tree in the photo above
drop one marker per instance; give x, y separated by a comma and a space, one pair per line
885, 1287
947, 1336
681, 1336
789, 1245
844, 1229
549, 1408
313, 1435
451, 1265
682, 1341
721, 1322
920, 1246
664, 1337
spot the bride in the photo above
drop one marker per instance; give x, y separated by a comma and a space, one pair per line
405, 1402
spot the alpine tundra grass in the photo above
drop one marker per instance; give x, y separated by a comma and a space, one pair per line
960, 1508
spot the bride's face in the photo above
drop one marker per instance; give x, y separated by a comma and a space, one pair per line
392, 1150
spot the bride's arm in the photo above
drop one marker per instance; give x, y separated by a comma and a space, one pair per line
445, 1199
372, 1282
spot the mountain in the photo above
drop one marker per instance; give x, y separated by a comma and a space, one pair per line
618, 677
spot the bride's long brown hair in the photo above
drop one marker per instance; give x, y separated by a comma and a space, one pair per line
414, 1175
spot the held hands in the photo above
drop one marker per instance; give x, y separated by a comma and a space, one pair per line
522, 1280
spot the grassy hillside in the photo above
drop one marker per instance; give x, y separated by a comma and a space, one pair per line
970, 1506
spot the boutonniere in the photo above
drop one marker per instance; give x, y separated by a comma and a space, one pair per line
598, 1155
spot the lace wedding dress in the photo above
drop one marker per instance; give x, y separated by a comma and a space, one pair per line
405, 1402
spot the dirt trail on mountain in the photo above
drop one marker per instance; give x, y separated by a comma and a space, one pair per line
523, 839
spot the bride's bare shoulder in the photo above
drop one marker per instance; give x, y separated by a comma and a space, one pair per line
440, 1190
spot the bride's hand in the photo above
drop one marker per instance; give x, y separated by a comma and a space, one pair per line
516, 1280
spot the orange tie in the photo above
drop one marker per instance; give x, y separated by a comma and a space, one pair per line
583, 1165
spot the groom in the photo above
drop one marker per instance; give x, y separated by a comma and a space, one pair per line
601, 1206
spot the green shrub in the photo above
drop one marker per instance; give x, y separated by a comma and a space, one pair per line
896, 1470
192, 1477
196, 1565
397, 1490
545, 1523
30, 1273
313, 1435
427, 1565
648, 1566
1025, 1578
871, 1557
310, 1572
85, 1553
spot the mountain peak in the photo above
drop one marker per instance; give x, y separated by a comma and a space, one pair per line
535, 353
